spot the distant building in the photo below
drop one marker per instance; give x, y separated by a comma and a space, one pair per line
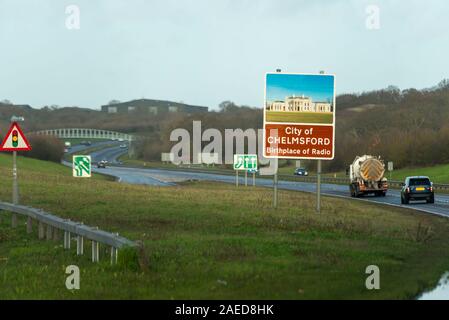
299, 104
151, 106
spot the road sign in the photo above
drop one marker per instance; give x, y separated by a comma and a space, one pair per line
82, 166
245, 162
15, 140
299, 116
390, 166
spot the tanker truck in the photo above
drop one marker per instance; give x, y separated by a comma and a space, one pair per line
366, 176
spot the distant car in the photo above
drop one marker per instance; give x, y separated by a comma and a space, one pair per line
417, 188
102, 164
121, 140
66, 150
301, 172
123, 146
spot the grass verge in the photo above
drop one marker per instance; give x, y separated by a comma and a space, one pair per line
213, 241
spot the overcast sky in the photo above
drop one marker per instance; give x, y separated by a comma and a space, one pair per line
206, 51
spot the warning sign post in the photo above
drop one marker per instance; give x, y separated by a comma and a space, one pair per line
15, 141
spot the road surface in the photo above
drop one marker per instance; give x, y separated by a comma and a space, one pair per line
163, 177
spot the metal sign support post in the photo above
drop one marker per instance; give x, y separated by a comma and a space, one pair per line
318, 187
275, 190
246, 178
254, 179
237, 178
15, 187
318, 180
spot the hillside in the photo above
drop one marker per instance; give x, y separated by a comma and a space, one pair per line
409, 127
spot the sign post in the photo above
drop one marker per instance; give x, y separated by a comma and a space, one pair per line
318, 186
299, 119
390, 167
15, 184
275, 190
244, 162
15, 141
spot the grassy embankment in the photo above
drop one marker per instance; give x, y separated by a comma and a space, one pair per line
208, 240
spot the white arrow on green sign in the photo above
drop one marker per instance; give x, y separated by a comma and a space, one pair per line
245, 162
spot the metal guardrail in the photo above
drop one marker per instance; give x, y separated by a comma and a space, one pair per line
49, 226
332, 180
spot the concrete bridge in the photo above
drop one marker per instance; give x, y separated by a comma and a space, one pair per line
85, 133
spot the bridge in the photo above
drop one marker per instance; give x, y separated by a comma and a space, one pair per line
85, 133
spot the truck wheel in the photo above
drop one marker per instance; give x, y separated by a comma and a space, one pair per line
352, 191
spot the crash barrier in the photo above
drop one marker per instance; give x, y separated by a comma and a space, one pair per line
50, 225
332, 180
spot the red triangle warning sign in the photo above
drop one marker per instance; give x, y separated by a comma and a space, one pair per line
15, 140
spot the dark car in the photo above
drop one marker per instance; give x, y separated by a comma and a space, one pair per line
102, 164
417, 188
301, 172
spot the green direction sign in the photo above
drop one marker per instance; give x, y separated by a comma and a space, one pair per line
81, 166
245, 162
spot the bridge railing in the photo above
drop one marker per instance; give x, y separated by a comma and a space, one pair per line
85, 133
49, 226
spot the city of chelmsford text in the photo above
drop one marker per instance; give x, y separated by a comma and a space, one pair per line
300, 140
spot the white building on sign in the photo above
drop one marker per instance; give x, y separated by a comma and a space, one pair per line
299, 104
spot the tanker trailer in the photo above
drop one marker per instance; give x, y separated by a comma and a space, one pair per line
366, 176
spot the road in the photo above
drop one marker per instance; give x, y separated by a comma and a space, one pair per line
163, 177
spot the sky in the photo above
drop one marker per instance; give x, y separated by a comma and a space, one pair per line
204, 52
320, 88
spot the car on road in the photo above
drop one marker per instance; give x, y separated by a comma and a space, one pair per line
123, 146
301, 172
102, 164
417, 188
